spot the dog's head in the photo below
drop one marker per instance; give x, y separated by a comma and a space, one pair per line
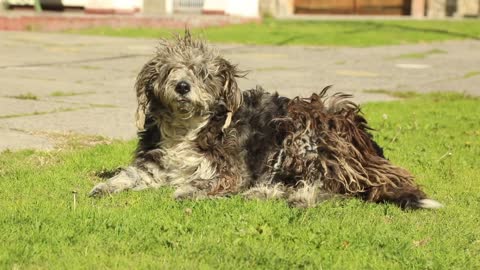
184, 79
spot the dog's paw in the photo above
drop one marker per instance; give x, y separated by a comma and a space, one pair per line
99, 190
265, 192
308, 196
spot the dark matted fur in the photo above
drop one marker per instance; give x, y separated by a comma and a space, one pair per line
217, 141
325, 141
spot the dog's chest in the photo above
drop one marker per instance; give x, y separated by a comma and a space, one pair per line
184, 163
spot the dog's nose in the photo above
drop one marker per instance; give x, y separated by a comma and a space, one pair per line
182, 88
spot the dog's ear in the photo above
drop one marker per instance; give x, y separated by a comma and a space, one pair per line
230, 92
144, 87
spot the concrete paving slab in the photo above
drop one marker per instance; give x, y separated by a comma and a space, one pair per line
291, 69
116, 99
24, 83
18, 107
26, 49
98, 73
43, 84
109, 122
17, 140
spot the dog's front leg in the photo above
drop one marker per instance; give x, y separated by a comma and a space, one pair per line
130, 178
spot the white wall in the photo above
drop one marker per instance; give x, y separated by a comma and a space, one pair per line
215, 5
113, 4
168, 6
74, 3
243, 8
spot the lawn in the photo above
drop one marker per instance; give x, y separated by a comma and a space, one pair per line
436, 136
328, 33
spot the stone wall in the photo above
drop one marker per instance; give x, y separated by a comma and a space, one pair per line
468, 8
267, 7
437, 8
458, 8
155, 7
276, 8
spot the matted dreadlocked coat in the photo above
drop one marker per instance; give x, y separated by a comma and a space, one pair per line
202, 135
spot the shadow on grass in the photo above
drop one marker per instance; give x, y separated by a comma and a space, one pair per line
360, 27
365, 28
107, 173
428, 30
373, 26
288, 40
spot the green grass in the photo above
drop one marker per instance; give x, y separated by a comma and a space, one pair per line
304, 32
40, 229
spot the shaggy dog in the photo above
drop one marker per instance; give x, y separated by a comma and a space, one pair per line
200, 134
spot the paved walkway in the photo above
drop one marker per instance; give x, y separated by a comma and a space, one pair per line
84, 84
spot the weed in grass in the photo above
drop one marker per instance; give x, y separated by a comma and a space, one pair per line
471, 74
70, 93
40, 113
88, 67
420, 55
41, 227
73, 141
42, 78
356, 73
274, 68
103, 105
28, 96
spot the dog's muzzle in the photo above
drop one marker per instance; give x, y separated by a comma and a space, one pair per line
182, 88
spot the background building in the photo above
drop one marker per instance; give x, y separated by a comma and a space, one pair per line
276, 8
